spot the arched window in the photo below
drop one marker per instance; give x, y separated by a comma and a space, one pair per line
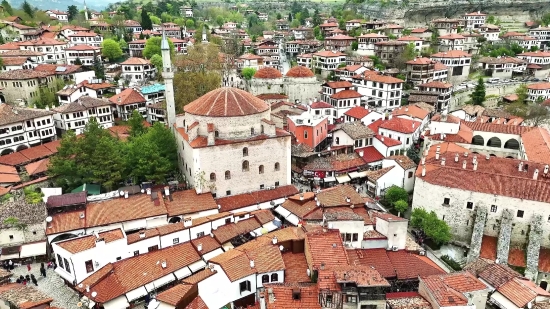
245, 166
212, 176
478, 140
251, 131
216, 134
511, 144
494, 142
245, 151
261, 169
227, 175
265, 278
277, 166
274, 277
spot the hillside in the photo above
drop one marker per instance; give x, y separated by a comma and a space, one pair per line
63, 4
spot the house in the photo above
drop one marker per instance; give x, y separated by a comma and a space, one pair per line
126, 102
87, 38
413, 112
517, 293
347, 72
447, 25
74, 116
353, 24
359, 113
309, 129
137, 70
250, 61
402, 129
353, 134
328, 27
451, 41
474, 20
13, 31
490, 32
460, 289
423, 33
53, 50
132, 26
85, 53
387, 50
522, 39
59, 15
538, 90
502, 67
341, 96
328, 60
156, 112
339, 42
442, 90
187, 11
541, 34
35, 57
136, 48
538, 62
24, 85
323, 108
424, 70
17, 296
379, 92
457, 61
18, 63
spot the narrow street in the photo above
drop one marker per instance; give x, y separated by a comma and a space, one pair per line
285, 63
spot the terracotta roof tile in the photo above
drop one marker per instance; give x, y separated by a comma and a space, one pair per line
128, 274
197, 303
282, 296
498, 274
537, 145
127, 96
188, 202
336, 196
338, 84
403, 161
268, 73
346, 94
320, 104
451, 54
207, 242
199, 276
412, 111
295, 267
142, 235
299, 72
226, 102
378, 77
173, 295
76, 245
263, 216
272, 96
234, 202
23, 74
400, 125
266, 259
325, 248
521, 291
370, 154
448, 290
227, 232
235, 264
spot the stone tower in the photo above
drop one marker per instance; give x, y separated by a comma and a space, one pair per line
168, 75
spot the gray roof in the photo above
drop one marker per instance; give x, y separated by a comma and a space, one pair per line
83, 103
11, 114
20, 209
355, 130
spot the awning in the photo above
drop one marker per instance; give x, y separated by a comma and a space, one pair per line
10, 253
212, 254
34, 249
137, 293
282, 211
162, 281
199, 265
116, 303
293, 219
329, 179
182, 273
343, 178
501, 301
270, 226
354, 175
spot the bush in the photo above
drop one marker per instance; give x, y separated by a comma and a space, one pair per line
394, 194
452, 263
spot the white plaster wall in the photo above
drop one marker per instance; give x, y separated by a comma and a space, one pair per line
280, 277
350, 227
437, 127
102, 254
168, 240
374, 244
206, 228
141, 245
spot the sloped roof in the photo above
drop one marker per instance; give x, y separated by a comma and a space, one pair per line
127, 96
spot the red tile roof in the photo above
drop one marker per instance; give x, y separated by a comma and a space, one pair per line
451, 54
539, 86
400, 125
357, 112
226, 102
173, 295
299, 72
231, 203
295, 267
325, 248
76, 245
339, 84
521, 291
498, 274
188, 202
282, 297
268, 73
378, 77
411, 110
448, 290
320, 104
127, 96
346, 94
370, 154
229, 231
197, 303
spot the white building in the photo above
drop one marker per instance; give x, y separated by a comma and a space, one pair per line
359, 113
85, 53
323, 108
379, 92
538, 62
187, 11
474, 20
490, 32
59, 15
88, 38
21, 128
451, 41
127, 101
210, 133
472, 295
138, 70
541, 34
538, 90
457, 61
404, 130
444, 93
74, 116
53, 50
328, 60
341, 96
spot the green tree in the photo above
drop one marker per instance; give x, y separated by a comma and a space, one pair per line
111, 50
522, 93
278, 16
7, 7
72, 12
394, 194
156, 60
220, 21
122, 44
434, 228
135, 122
190, 24
354, 45
477, 97
152, 47
155, 20
33, 195
77, 61
98, 68
413, 154
248, 73
26, 7
15, 223
289, 17
146, 22
401, 206
490, 19
316, 18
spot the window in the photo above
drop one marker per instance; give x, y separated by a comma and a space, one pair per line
227, 220
277, 166
305, 134
251, 131
244, 286
328, 299
337, 141
228, 192
246, 166
119, 258
446, 201
176, 241
136, 253
351, 299
227, 175
245, 151
216, 134
212, 176
277, 184
410, 174
67, 267
520, 214
200, 234
153, 248
89, 266
355, 237
261, 169
493, 208
265, 279
11, 237
470, 205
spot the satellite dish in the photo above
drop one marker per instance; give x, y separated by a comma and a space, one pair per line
94, 294
80, 285
79, 304
121, 193
49, 219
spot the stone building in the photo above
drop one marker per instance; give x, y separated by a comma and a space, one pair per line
24, 85
228, 144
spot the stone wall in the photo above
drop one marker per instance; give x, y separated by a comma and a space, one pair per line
503, 244
477, 233
533, 247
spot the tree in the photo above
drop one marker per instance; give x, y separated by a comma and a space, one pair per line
122, 44
316, 18
394, 194
98, 68
279, 16
477, 97
248, 73
77, 61
72, 11
7, 7
152, 47
15, 223
522, 93
413, 154
289, 17
220, 21
146, 22
26, 7
111, 50
433, 227
534, 113
190, 24
490, 19
33, 196
354, 45
135, 122
401, 206
156, 60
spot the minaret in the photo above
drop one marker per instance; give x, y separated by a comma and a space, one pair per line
204, 37
85, 11
168, 75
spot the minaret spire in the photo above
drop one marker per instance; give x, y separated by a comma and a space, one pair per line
85, 11
168, 75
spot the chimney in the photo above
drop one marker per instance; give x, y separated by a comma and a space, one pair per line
466, 154
125, 194
443, 161
456, 157
487, 157
166, 190
546, 167
423, 160
464, 164
437, 155
382, 138
520, 166
475, 165
199, 247
163, 264
322, 266
141, 234
361, 153
536, 174
87, 288
187, 222
438, 148
148, 191
251, 263
423, 170
274, 240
